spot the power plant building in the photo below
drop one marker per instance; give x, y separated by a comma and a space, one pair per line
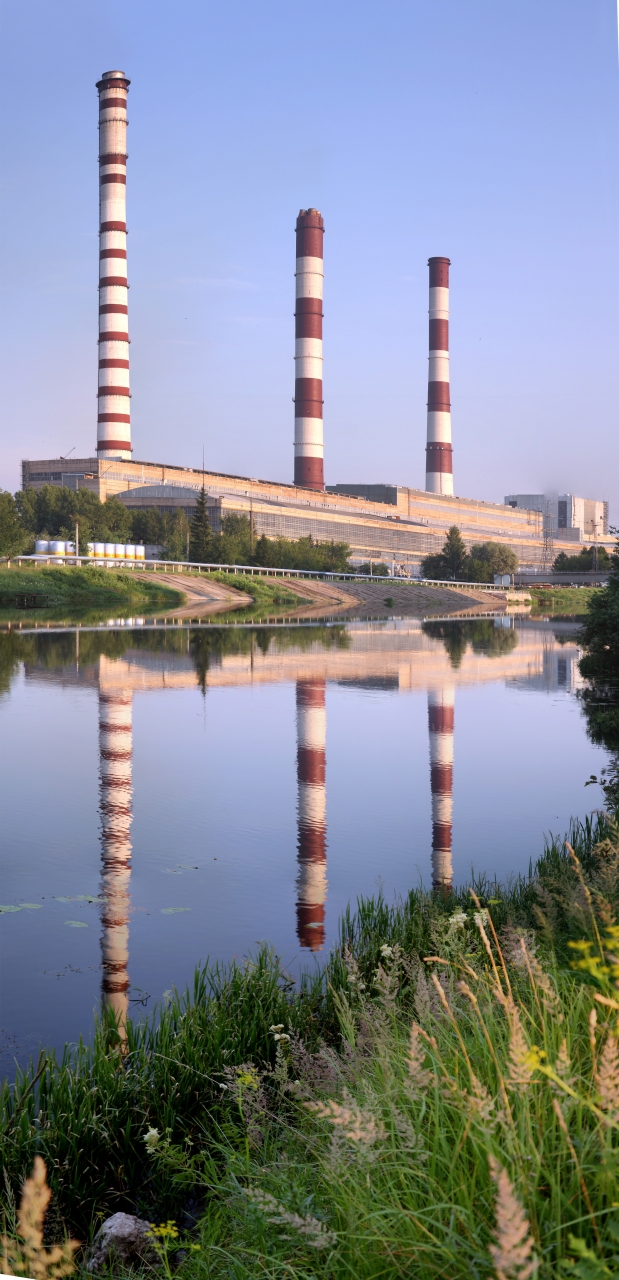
380, 522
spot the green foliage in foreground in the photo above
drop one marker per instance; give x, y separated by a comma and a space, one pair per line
423, 1181
84, 586
600, 636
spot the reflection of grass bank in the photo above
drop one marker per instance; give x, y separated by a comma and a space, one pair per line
561, 601
82, 587
418, 1118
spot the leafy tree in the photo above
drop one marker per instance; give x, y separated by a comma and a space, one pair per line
148, 526
26, 503
489, 558
176, 534
13, 536
200, 533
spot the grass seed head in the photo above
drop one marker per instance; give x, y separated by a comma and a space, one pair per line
28, 1254
512, 1254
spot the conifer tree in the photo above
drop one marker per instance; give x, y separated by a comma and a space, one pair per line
455, 554
201, 534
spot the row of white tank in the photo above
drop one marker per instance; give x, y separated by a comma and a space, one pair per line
96, 550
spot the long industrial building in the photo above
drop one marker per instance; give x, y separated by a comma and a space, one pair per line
380, 522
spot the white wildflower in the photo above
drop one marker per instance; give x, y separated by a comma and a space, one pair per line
281, 1037
151, 1139
278, 1026
458, 919
386, 950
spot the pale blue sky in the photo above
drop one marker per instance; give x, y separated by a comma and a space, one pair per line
485, 130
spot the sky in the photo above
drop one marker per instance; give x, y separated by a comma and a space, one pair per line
486, 131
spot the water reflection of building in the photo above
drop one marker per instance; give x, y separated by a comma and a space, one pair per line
312, 812
441, 727
115, 761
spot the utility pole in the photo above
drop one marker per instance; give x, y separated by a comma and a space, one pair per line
77, 541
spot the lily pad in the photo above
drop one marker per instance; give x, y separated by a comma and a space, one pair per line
10, 909
167, 911
31, 906
80, 897
76, 924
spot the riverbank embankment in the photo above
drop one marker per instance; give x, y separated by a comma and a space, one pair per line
83, 587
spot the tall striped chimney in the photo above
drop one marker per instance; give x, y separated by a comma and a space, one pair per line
114, 417
312, 813
115, 753
308, 437
441, 726
439, 468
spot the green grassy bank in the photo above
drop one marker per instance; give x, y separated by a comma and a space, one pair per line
82, 587
377, 1118
562, 601
266, 592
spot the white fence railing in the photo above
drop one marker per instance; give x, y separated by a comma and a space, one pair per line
183, 566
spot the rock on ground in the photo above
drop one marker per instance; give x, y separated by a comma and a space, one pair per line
121, 1238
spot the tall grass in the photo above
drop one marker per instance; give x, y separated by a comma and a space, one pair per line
467, 1129
206, 1066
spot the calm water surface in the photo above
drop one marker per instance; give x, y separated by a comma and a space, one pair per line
173, 795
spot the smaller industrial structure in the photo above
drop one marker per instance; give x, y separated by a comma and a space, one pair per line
569, 519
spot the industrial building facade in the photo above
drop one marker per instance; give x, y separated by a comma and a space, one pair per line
392, 523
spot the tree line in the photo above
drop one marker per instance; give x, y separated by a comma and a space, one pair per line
479, 564
51, 512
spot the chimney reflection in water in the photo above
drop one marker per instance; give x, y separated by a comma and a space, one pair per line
312, 813
115, 750
441, 726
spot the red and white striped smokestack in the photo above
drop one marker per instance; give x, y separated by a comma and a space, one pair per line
441, 726
114, 417
308, 436
115, 751
439, 465
312, 812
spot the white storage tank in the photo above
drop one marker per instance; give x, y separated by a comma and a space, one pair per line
56, 548
41, 547
99, 550
110, 549
90, 547
140, 553
119, 550
129, 551
69, 548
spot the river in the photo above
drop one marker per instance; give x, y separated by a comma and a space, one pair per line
174, 793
